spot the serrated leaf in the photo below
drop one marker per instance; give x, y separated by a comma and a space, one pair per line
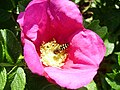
3, 77
113, 84
91, 86
19, 80
12, 46
102, 31
109, 47
94, 26
10, 76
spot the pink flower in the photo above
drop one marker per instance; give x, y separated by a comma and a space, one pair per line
74, 59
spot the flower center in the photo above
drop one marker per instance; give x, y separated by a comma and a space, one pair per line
53, 54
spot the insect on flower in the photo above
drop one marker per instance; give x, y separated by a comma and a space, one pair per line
61, 48
53, 54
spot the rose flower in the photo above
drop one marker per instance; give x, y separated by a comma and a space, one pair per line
56, 44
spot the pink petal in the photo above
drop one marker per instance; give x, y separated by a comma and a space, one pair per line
71, 78
62, 9
65, 17
32, 59
55, 19
32, 34
36, 17
20, 19
69, 64
86, 51
86, 48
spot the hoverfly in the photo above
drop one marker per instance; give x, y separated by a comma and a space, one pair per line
61, 48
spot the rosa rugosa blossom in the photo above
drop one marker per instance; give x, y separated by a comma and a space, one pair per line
57, 46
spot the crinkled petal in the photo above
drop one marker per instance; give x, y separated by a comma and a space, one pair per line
35, 2
33, 32
85, 53
70, 64
71, 78
32, 59
66, 7
87, 48
65, 17
56, 19
36, 19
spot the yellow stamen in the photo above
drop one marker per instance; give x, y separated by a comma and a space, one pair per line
52, 54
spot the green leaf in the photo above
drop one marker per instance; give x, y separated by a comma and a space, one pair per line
8, 24
19, 80
113, 80
109, 47
10, 76
91, 86
102, 31
1, 52
3, 77
119, 58
94, 26
118, 54
36, 82
4, 15
6, 4
51, 87
12, 46
113, 84
22, 5
76, 1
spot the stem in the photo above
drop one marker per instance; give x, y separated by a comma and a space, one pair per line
21, 57
11, 70
11, 65
6, 65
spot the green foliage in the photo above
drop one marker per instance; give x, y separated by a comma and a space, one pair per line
119, 59
94, 25
113, 80
3, 77
109, 47
35, 82
1, 52
91, 86
100, 16
19, 80
4, 15
12, 51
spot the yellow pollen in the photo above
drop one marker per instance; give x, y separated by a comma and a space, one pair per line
53, 54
